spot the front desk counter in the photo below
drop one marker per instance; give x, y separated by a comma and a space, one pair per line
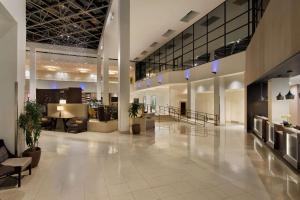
282, 139
292, 151
260, 124
275, 139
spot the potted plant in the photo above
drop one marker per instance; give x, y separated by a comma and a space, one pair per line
133, 113
30, 122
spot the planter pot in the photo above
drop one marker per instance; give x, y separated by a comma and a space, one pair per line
35, 155
136, 129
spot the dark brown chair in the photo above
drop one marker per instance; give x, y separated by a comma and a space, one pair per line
77, 125
6, 171
46, 123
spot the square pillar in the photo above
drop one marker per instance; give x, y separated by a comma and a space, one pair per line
219, 99
32, 81
99, 78
105, 81
191, 96
124, 64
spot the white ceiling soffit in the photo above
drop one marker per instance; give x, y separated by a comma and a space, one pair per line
61, 49
150, 19
6, 21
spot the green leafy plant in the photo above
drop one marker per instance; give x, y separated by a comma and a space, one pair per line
30, 122
134, 109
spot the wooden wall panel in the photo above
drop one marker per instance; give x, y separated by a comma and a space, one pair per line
275, 40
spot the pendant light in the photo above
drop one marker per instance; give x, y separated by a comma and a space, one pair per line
279, 97
289, 95
261, 92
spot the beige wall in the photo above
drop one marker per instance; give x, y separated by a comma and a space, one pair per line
294, 106
205, 102
234, 105
276, 38
70, 110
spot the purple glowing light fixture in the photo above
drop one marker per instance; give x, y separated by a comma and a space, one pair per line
148, 82
215, 66
159, 78
187, 74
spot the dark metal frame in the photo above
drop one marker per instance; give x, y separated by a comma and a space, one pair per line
145, 67
76, 23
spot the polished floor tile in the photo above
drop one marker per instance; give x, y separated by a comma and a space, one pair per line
176, 161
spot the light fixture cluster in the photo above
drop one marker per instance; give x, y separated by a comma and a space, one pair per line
288, 96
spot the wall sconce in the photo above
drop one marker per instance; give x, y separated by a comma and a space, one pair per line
159, 78
139, 84
148, 82
289, 95
215, 66
187, 74
279, 97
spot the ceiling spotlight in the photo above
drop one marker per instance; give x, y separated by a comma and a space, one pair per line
279, 97
289, 95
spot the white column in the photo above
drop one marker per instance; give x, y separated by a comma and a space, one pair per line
32, 82
219, 99
99, 78
12, 70
191, 98
123, 63
105, 81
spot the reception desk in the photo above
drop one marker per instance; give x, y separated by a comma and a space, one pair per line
292, 155
284, 140
260, 123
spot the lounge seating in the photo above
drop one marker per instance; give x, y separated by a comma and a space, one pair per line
11, 165
77, 125
46, 123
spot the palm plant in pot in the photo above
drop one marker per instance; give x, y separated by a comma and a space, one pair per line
30, 122
133, 111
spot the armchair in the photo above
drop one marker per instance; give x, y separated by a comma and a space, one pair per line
11, 165
77, 125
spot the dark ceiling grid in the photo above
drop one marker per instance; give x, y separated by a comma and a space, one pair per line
75, 23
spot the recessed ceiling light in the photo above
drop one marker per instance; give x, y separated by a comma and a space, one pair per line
51, 68
112, 72
83, 70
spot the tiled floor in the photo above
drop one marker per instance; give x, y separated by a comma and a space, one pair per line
177, 162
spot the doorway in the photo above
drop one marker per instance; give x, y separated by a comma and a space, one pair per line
182, 107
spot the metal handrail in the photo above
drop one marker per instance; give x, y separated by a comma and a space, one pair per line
189, 116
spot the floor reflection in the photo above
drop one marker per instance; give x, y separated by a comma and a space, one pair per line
176, 161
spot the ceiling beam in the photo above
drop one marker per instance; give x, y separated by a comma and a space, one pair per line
67, 34
69, 16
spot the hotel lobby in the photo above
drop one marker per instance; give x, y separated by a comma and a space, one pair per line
121, 100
